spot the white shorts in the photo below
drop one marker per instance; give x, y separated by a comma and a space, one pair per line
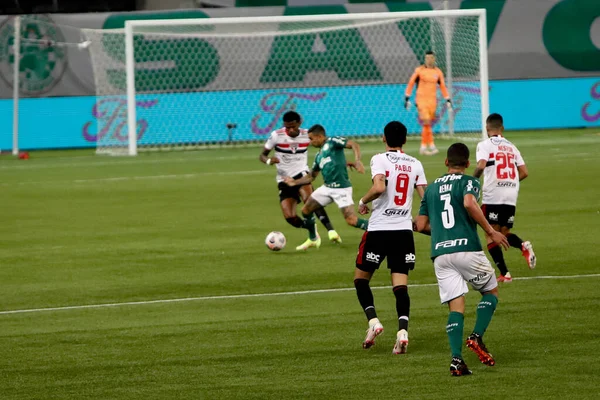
453, 271
325, 195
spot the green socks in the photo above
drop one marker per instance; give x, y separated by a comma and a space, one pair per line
309, 223
454, 329
362, 223
485, 311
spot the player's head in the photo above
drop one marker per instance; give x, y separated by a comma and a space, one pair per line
394, 134
494, 124
291, 122
457, 156
430, 59
317, 135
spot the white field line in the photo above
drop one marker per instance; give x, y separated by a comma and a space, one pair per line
247, 296
130, 178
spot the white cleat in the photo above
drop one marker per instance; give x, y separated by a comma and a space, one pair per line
424, 151
401, 342
310, 243
433, 151
334, 237
374, 330
529, 255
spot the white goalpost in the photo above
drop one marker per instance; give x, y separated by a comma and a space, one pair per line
190, 82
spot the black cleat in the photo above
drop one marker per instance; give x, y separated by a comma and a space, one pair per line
458, 367
475, 343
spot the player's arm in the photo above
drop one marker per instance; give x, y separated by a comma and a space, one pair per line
409, 88
305, 180
264, 157
472, 206
422, 225
374, 192
479, 168
358, 165
523, 173
444, 90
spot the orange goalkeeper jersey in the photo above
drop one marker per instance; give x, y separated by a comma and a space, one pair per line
427, 80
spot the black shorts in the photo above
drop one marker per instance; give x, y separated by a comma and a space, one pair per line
290, 192
499, 214
397, 246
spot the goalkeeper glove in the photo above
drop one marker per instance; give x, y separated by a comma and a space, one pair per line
449, 104
406, 102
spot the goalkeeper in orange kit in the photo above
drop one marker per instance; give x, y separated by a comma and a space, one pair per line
427, 77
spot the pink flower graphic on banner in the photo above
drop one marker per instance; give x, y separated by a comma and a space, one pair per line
275, 104
585, 113
111, 117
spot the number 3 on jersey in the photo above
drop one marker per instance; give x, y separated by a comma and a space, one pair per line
448, 212
505, 162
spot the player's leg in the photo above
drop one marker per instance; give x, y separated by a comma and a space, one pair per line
311, 205
430, 143
452, 289
426, 118
478, 271
305, 192
369, 258
401, 259
353, 220
492, 214
515, 241
343, 199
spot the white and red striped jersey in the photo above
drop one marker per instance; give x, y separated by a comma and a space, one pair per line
500, 176
392, 210
291, 151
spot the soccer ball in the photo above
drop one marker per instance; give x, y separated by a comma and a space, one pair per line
275, 241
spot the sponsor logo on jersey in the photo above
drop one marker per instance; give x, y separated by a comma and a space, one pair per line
446, 178
392, 212
324, 161
493, 216
410, 258
373, 257
452, 243
505, 184
393, 158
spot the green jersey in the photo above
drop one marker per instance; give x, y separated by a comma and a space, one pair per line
452, 229
331, 161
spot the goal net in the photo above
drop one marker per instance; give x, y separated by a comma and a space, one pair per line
187, 83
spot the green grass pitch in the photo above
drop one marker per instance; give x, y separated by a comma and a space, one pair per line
80, 229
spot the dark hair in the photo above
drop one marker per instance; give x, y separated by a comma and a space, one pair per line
495, 121
395, 134
291, 116
429, 52
458, 155
317, 130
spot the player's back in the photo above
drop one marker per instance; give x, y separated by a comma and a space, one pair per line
331, 161
452, 228
392, 209
500, 176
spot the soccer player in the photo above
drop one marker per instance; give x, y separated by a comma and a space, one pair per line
503, 168
337, 188
291, 148
450, 213
395, 177
427, 77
